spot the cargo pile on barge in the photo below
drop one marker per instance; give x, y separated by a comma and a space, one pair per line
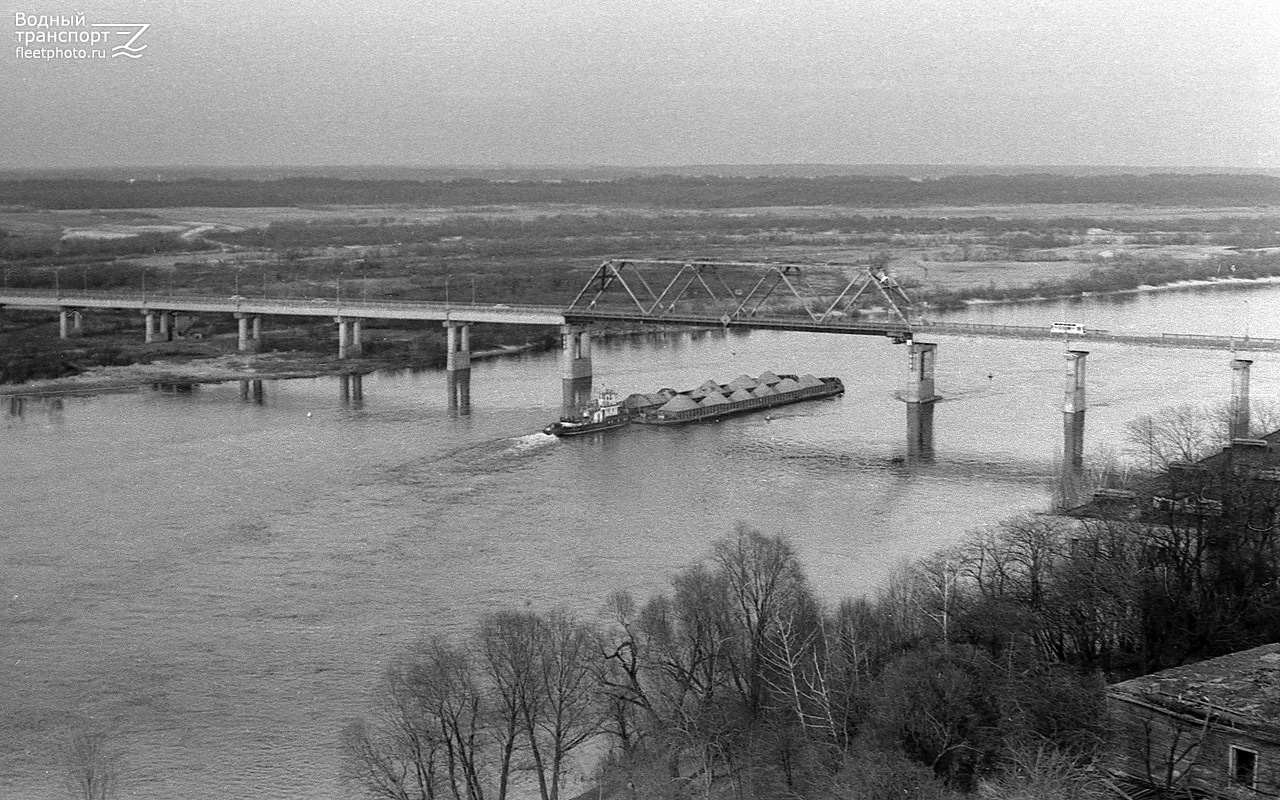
709, 401
713, 400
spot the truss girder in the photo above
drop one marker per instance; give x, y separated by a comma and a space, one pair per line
630, 275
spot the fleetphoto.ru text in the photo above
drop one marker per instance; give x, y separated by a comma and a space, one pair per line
57, 37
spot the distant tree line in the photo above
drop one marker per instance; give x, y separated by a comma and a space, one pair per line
555, 229
669, 191
65, 250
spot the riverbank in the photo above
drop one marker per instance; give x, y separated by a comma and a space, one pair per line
274, 365
220, 369
1211, 283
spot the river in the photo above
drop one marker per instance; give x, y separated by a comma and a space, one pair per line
218, 582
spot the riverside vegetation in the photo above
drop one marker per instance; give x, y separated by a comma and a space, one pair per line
979, 669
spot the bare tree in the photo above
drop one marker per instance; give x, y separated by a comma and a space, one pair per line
397, 755
543, 672
766, 584
562, 711
441, 679
507, 644
1186, 432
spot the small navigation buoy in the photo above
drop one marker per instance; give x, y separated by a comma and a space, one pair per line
308, 413
990, 376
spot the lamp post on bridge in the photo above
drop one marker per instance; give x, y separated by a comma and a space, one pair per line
446, 289
57, 282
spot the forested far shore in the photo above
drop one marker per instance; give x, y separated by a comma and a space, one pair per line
666, 190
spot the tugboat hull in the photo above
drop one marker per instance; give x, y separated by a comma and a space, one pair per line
604, 413
563, 428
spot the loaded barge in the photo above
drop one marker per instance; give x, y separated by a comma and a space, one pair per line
713, 400
709, 401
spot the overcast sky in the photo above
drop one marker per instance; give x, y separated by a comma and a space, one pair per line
651, 82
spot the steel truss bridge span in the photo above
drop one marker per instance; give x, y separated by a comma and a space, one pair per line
730, 291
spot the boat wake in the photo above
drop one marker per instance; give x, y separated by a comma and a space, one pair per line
530, 443
478, 459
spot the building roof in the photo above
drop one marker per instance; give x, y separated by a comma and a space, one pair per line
1188, 488
1242, 688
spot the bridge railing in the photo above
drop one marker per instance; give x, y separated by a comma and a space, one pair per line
983, 329
159, 299
1185, 340
763, 321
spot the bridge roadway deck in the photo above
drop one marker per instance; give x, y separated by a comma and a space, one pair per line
283, 307
552, 315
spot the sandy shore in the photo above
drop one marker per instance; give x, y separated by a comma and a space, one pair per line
233, 367
237, 367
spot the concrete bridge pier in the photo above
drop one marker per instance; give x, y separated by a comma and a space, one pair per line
1239, 424
350, 342
919, 388
65, 316
166, 326
149, 322
248, 343
1073, 408
459, 386
458, 346
1071, 484
576, 363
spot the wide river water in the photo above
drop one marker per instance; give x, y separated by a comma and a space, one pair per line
218, 582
